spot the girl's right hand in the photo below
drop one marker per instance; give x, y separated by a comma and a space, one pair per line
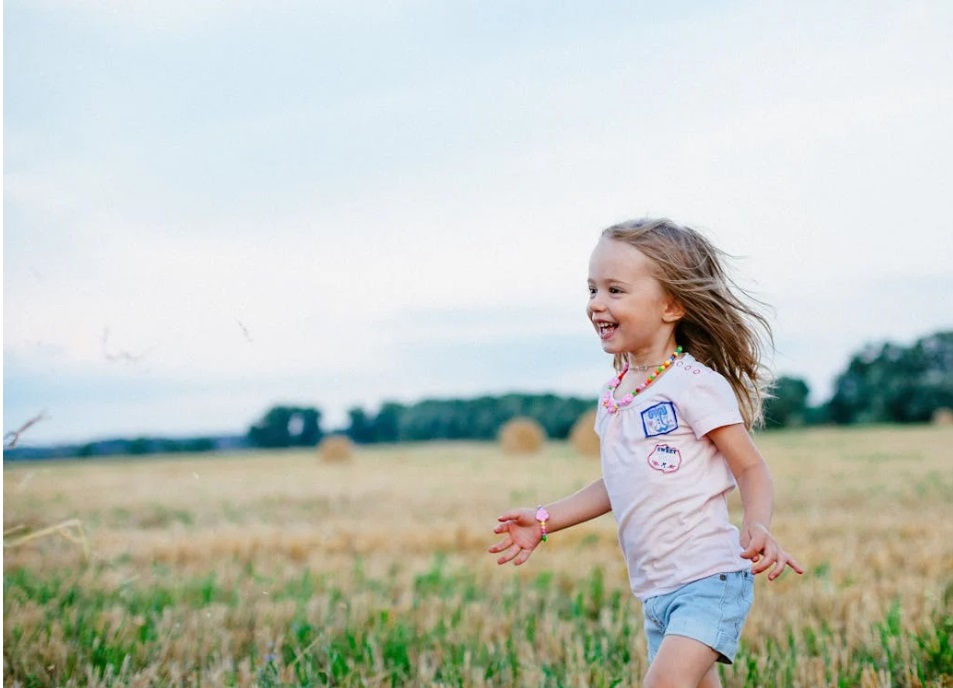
522, 533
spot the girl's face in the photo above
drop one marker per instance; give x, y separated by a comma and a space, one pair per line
628, 307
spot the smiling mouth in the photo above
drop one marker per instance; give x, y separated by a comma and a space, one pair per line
605, 329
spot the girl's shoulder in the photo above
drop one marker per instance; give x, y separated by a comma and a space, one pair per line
691, 368
702, 392
695, 380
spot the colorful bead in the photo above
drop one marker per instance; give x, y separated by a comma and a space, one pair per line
542, 516
613, 406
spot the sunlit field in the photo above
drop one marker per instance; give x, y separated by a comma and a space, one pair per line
280, 569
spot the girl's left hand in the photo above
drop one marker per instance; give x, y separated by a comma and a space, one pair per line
765, 553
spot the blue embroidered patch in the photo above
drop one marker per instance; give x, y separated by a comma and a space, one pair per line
659, 419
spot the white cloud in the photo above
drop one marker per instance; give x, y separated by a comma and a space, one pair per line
438, 180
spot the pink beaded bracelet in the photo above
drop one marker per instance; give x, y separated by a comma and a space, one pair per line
542, 516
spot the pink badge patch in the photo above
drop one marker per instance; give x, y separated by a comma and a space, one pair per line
665, 458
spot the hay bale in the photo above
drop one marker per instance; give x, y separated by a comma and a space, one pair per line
943, 416
522, 436
335, 448
583, 437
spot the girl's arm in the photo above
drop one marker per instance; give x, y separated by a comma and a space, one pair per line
757, 495
522, 532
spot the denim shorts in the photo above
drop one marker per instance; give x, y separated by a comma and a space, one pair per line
711, 610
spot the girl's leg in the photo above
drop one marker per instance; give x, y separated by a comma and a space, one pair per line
711, 680
683, 663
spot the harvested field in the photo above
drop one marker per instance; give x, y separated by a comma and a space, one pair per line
280, 569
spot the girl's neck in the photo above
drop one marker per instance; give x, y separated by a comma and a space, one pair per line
650, 360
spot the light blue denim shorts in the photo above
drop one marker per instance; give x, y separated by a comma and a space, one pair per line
711, 610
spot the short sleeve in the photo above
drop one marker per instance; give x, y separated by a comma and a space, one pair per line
710, 404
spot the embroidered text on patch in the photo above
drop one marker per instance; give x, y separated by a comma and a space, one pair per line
659, 419
665, 458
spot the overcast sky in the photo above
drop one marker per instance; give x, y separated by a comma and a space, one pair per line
211, 207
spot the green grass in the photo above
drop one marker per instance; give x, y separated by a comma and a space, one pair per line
446, 628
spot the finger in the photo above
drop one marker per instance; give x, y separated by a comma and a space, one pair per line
523, 555
508, 556
778, 569
501, 545
763, 559
782, 561
793, 563
785, 560
759, 564
752, 553
755, 545
512, 515
770, 556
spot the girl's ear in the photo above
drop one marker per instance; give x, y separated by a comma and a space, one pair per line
673, 311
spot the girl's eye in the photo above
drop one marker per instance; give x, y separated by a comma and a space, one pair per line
615, 290
592, 291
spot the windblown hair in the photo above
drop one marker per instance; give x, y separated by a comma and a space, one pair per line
723, 327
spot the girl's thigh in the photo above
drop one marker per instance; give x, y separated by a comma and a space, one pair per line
682, 662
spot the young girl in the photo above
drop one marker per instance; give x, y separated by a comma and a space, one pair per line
673, 425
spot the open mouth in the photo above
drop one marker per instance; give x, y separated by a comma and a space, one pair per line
605, 329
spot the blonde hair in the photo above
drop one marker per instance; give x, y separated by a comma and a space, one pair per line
723, 327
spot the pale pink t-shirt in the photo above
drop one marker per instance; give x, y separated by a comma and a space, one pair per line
668, 483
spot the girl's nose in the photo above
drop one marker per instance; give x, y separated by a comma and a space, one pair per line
595, 305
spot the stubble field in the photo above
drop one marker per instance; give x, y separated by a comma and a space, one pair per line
279, 569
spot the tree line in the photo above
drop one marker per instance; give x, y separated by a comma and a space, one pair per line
885, 383
431, 419
882, 383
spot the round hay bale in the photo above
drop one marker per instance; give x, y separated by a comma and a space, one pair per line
522, 436
583, 437
943, 416
336, 448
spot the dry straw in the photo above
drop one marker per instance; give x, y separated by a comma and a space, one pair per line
522, 436
583, 437
71, 530
334, 448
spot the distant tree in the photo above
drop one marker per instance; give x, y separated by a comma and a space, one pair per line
196, 444
138, 446
890, 383
361, 426
476, 419
287, 426
387, 422
787, 404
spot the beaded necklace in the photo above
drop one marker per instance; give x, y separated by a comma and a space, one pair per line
613, 406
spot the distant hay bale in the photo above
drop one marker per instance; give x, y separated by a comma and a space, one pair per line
336, 448
943, 416
583, 437
522, 436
